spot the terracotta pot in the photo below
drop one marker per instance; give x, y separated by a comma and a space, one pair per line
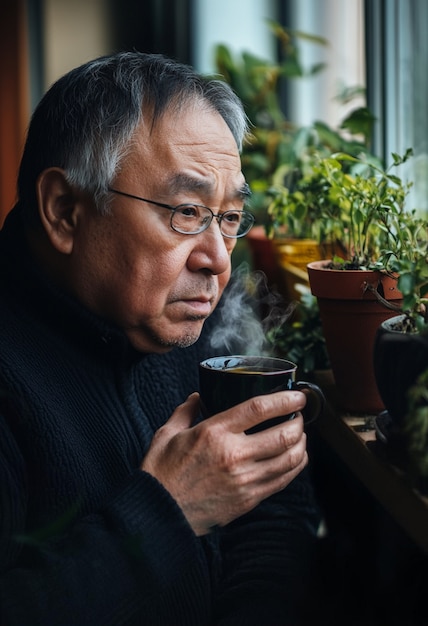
350, 316
293, 256
262, 253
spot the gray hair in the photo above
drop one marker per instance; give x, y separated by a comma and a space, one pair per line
85, 122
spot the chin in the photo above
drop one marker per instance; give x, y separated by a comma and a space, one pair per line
163, 342
189, 334
182, 341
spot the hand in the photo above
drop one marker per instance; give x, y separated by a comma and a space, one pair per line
215, 471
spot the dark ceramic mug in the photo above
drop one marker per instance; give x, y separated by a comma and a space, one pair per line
225, 381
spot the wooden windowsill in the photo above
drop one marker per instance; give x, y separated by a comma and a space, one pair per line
353, 438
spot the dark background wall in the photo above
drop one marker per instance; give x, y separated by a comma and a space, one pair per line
153, 26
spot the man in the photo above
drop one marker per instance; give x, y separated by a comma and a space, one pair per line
117, 505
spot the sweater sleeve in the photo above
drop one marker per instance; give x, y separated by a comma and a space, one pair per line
267, 556
135, 562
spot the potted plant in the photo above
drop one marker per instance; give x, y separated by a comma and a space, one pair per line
296, 182
301, 230
277, 148
363, 210
401, 342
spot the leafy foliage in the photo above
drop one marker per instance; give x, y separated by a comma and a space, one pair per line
274, 140
409, 260
302, 340
415, 427
348, 201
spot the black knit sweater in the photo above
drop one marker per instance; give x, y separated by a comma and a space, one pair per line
86, 537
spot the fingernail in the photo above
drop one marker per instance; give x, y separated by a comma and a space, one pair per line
299, 397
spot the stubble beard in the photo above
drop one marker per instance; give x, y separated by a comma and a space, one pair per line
184, 341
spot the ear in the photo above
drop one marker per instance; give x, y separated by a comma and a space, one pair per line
58, 208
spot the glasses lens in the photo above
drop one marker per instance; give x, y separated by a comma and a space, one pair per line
191, 218
236, 223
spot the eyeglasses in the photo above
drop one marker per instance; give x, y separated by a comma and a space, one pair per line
191, 219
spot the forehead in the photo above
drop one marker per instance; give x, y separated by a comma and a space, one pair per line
193, 143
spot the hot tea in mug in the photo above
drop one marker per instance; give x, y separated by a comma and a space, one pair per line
229, 380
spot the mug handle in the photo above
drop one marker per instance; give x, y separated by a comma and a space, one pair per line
315, 401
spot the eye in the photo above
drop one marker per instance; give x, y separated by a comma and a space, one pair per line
232, 217
188, 210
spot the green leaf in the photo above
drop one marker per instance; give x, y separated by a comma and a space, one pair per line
360, 121
317, 68
406, 283
359, 216
300, 212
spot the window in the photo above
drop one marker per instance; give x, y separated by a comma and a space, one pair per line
397, 86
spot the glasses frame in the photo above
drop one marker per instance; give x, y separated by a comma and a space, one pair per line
204, 226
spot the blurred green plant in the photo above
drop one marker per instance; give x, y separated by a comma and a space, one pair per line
276, 146
351, 202
409, 260
415, 428
301, 340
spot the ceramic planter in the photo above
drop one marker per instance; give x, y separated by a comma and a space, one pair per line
399, 358
350, 316
298, 252
292, 257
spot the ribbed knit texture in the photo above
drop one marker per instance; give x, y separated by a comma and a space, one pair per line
85, 536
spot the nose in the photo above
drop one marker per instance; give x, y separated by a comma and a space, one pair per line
211, 251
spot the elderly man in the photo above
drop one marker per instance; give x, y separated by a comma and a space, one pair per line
117, 505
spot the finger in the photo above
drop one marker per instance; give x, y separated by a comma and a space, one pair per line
286, 459
184, 415
261, 408
278, 471
274, 441
273, 479
279, 478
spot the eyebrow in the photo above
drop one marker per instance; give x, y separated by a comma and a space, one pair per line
183, 182
245, 191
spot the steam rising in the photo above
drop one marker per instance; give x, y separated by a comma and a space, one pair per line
248, 311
